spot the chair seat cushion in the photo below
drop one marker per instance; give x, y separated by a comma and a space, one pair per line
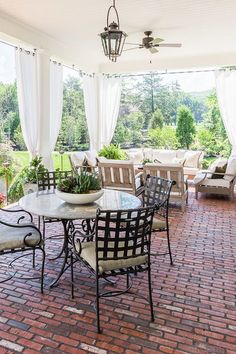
158, 224
13, 237
210, 182
88, 254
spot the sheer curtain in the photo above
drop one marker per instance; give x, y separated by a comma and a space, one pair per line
28, 97
226, 95
91, 103
110, 92
102, 101
56, 102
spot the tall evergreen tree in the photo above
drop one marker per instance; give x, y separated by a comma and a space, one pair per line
185, 129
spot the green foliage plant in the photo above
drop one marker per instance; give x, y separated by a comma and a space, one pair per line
83, 182
164, 138
185, 129
113, 152
27, 175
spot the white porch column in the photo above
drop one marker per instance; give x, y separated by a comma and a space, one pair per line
44, 103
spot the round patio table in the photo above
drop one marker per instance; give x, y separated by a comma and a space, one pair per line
48, 204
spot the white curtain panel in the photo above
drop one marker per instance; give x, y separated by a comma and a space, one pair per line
226, 95
56, 102
91, 103
102, 102
28, 97
110, 92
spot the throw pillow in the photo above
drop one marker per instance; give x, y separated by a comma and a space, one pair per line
179, 160
91, 157
192, 158
219, 162
78, 158
219, 169
231, 169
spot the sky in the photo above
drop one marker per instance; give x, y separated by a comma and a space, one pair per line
189, 82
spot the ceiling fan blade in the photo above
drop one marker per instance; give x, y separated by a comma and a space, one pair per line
177, 45
153, 50
125, 50
157, 41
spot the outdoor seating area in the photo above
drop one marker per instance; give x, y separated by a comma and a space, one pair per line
184, 299
117, 177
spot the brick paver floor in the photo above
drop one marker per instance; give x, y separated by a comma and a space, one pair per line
194, 300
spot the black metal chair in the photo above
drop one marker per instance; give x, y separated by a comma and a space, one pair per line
121, 247
48, 181
157, 192
22, 237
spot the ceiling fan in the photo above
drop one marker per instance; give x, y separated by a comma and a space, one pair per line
151, 43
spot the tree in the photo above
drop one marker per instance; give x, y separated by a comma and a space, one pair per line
185, 130
157, 120
163, 138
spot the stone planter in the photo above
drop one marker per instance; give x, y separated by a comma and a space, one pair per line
30, 188
79, 198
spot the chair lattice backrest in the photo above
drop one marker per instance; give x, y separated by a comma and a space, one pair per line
123, 234
157, 192
49, 180
117, 175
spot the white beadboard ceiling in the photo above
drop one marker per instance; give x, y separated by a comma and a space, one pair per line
206, 29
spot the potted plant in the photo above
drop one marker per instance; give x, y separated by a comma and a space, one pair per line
83, 188
113, 152
25, 181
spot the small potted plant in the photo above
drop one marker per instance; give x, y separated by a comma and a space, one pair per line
29, 175
113, 152
83, 188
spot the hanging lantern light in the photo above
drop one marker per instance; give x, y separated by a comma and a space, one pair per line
113, 38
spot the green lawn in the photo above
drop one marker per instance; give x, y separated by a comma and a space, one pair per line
22, 159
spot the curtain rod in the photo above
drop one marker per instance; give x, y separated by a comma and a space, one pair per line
170, 72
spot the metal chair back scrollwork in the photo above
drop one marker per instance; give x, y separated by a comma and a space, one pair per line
121, 247
20, 236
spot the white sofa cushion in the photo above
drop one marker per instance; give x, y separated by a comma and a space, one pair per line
164, 156
180, 154
179, 160
136, 156
192, 158
231, 169
148, 154
78, 158
91, 158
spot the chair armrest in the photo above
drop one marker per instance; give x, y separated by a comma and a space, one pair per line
139, 174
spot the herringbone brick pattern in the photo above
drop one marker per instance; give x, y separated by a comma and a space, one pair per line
194, 300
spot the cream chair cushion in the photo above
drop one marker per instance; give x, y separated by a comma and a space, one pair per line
231, 169
158, 224
12, 237
218, 182
88, 254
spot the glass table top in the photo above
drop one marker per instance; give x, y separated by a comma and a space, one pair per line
48, 204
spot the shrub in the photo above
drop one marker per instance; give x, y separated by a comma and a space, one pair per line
163, 138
